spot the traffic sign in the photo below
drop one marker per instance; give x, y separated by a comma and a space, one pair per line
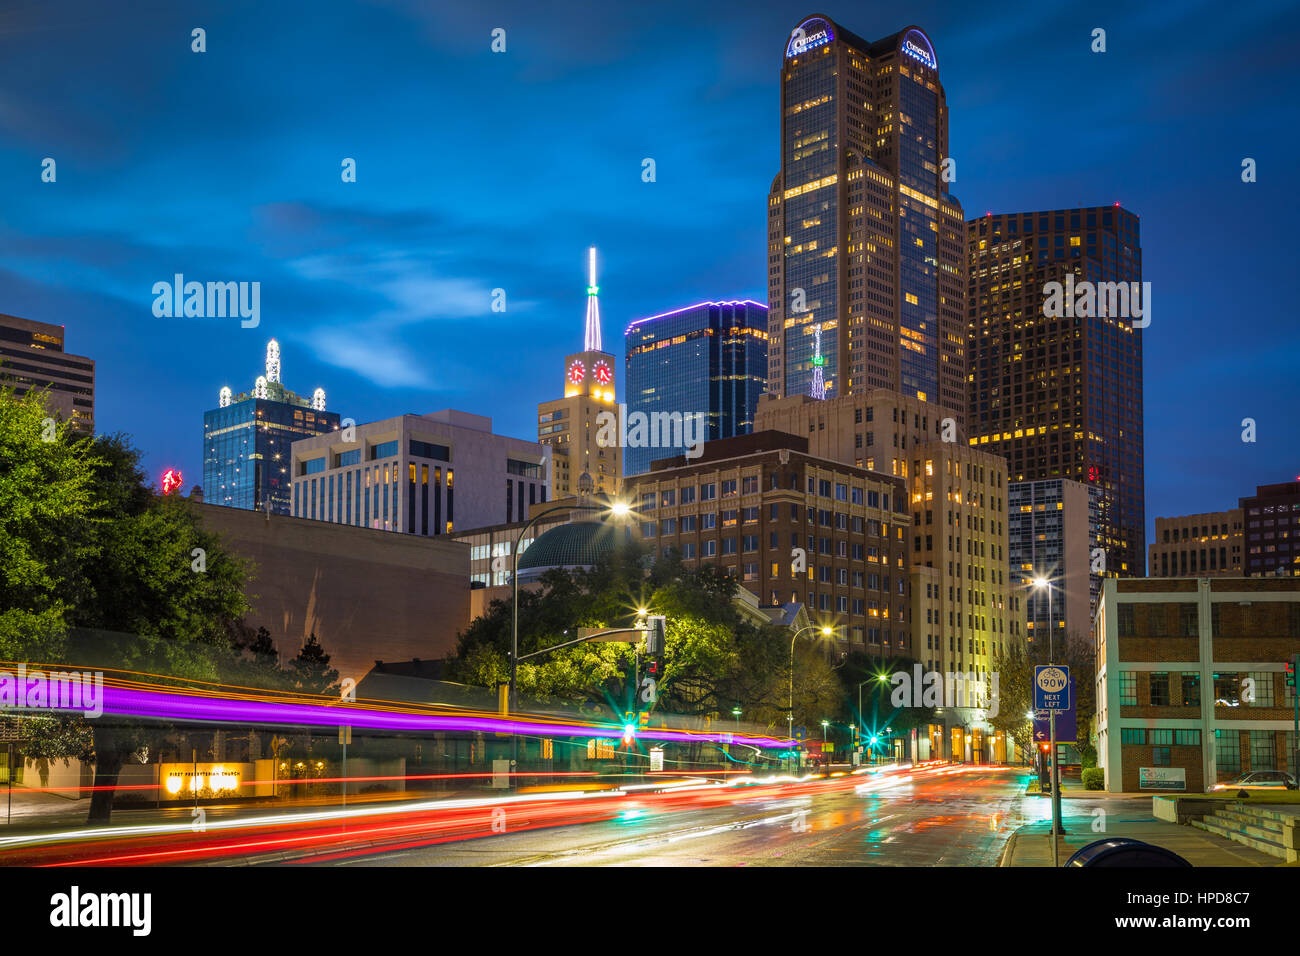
1051, 687
800, 732
1066, 723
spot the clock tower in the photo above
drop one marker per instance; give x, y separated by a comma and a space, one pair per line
569, 425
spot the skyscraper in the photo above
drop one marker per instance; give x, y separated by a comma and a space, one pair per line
1272, 532
247, 438
569, 424
707, 358
32, 357
1060, 395
865, 244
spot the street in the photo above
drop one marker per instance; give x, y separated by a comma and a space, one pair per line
950, 816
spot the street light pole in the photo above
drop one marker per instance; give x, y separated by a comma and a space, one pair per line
618, 510
1057, 828
826, 631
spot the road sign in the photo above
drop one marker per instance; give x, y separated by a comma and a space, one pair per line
1051, 687
1066, 723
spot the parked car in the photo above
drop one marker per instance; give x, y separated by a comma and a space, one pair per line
1259, 780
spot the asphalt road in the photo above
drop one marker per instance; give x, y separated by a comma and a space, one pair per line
957, 817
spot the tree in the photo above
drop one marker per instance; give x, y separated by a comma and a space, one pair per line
46, 498
1015, 670
309, 672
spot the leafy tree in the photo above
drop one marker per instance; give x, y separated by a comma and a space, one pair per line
1015, 670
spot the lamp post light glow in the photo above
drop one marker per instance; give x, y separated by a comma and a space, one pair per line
826, 631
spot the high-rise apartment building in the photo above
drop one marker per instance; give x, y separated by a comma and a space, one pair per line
419, 474
32, 359
709, 359
1052, 533
247, 440
1059, 395
569, 425
1200, 545
1272, 530
866, 265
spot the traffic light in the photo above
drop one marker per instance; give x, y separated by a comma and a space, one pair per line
1291, 669
656, 625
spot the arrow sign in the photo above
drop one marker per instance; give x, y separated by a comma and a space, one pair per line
1051, 687
1066, 724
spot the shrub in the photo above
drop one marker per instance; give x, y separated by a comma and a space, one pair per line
1094, 778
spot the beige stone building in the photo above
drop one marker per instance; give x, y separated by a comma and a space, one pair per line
1201, 545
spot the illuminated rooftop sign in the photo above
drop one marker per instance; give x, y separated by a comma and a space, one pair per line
809, 35
917, 45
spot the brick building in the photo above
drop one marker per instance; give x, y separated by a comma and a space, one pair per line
750, 501
1190, 680
1205, 545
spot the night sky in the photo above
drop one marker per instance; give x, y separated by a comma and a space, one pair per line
479, 170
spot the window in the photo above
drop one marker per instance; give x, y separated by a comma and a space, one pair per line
728, 545
749, 486
1136, 736
688, 495
1159, 688
1191, 689
1128, 688
688, 549
1162, 738
708, 492
647, 501
384, 450
649, 530
729, 488
1161, 757
348, 458
427, 449
1263, 754
314, 466
1187, 620
750, 572
710, 549
708, 522
729, 518
750, 543
688, 523
1187, 738
668, 498
1227, 754
668, 526
749, 515
1227, 691
1261, 688
1125, 623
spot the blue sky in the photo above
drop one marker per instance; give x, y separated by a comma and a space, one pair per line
479, 171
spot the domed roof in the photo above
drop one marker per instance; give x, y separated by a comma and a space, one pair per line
579, 544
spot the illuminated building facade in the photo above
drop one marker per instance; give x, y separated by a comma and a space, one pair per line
247, 440
32, 358
1272, 529
1200, 545
568, 425
419, 474
1061, 397
708, 358
865, 244
1052, 530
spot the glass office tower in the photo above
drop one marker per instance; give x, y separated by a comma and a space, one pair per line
710, 358
865, 244
1061, 397
248, 438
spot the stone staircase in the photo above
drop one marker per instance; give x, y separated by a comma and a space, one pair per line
1273, 830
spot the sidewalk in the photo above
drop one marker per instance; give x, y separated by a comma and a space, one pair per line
1031, 844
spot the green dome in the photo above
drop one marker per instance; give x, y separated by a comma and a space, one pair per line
579, 544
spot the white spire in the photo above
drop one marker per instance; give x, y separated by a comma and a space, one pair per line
273, 361
591, 340
318, 399
224, 396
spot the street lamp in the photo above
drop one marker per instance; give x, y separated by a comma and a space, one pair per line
825, 740
1039, 583
826, 631
617, 509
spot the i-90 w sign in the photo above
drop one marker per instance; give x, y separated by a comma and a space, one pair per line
1051, 687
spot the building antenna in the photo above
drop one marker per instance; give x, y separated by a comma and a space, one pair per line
591, 339
818, 387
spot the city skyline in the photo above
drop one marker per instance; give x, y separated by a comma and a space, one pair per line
380, 290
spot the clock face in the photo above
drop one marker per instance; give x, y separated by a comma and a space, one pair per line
603, 373
577, 372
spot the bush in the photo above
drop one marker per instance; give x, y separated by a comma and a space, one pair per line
1094, 778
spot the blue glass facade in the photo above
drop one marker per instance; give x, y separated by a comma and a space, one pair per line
709, 358
246, 450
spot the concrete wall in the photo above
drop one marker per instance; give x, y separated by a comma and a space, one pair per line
367, 595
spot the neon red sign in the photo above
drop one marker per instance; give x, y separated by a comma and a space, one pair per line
171, 480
